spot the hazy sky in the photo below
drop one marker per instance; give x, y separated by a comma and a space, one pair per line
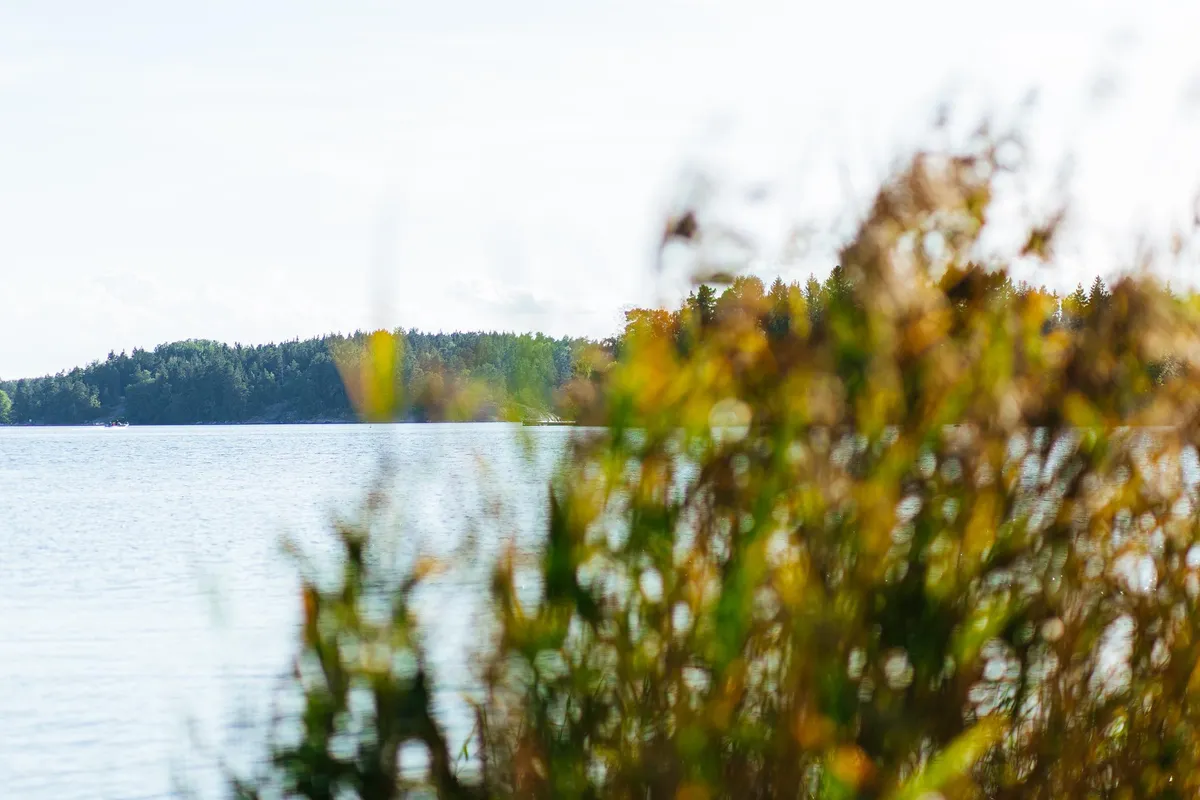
225, 170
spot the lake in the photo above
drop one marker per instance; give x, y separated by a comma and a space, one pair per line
147, 610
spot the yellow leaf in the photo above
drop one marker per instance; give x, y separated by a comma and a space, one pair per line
851, 766
955, 761
370, 376
692, 791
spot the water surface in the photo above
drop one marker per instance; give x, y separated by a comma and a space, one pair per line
146, 609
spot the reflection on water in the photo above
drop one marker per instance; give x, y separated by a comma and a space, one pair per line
142, 583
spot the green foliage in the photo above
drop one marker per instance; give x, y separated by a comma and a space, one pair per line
205, 381
363, 670
5, 407
924, 541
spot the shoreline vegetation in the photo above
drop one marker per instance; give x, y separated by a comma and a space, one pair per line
892, 544
464, 377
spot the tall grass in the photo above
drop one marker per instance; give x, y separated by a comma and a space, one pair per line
914, 546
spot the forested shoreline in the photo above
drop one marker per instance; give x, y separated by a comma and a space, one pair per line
201, 381
461, 376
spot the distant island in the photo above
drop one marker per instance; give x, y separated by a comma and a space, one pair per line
512, 376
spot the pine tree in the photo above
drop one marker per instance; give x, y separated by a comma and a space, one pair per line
1098, 297
778, 309
704, 304
1075, 308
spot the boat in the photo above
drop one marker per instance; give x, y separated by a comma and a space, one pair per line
116, 423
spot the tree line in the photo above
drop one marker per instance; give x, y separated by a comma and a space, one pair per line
778, 307
199, 381
475, 375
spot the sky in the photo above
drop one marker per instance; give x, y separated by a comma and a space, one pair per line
257, 170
